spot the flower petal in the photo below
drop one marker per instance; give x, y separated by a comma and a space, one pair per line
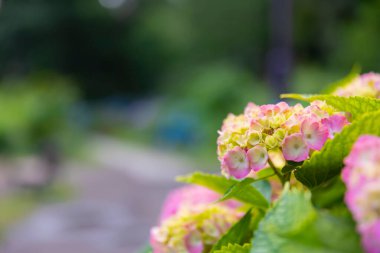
335, 123
236, 163
193, 242
371, 237
254, 137
314, 134
258, 157
294, 148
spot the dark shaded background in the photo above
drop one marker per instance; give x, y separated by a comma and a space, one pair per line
143, 47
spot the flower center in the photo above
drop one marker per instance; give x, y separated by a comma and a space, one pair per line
268, 131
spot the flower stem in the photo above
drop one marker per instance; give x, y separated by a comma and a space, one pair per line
277, 172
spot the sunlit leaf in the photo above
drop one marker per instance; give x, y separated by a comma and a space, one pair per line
293, 225
220, 184
238, 234
235, 248
356, 106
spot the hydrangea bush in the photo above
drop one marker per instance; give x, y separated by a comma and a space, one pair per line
294, 178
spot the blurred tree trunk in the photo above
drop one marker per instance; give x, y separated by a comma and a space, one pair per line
279, 57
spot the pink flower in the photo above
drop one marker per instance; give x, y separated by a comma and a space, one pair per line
364, 201
191, 222
257, 157
193, 242
251, 109
294, 148
314, 134
366, 85
236, 163
269, 109
185, 196
371, 237
335, 123
361, 175
363, 162
283, 106
372, 79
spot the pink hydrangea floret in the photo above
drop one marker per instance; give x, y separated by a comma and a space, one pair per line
366, 85
361, 175
191, 221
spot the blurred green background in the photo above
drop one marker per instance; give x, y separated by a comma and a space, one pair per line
206, 57
193, 61
162, 73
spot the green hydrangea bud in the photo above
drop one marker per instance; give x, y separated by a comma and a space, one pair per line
254, 138
279, 134
271, 142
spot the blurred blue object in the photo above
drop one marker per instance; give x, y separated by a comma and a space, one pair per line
178, 128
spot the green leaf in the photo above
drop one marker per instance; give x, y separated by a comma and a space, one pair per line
330, 194
235, 248
328, 162
240, 233
239, 188
245, 186
264, 173
265, 188
357, 106
220, 184
354, 73
288, 168
293, 225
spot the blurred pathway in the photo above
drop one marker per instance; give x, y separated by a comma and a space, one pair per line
117, 201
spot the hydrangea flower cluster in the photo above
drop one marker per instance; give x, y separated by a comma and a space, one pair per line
246, 141
191, 223
362, 178
366, 85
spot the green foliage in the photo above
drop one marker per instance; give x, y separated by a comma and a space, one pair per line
13, 208
356, 106
311, 79
216, 89
237, 189
239, 234
235, 248
177, 30
137, 46
264, 173
265, 188
327, 163
33, 110
293, 225
358, 39
354, 73
220, 184
245, 186
329, 195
